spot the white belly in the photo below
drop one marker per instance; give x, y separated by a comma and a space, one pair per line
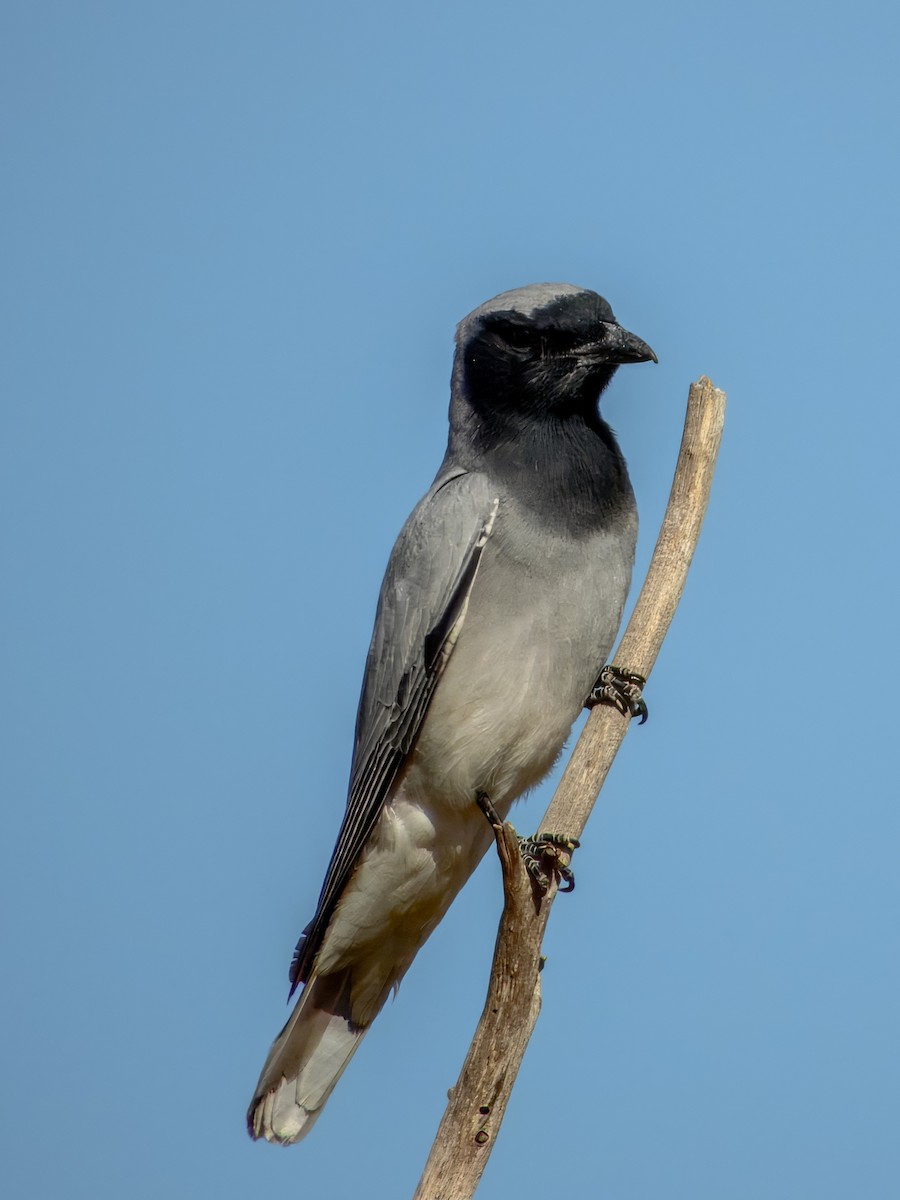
498, 721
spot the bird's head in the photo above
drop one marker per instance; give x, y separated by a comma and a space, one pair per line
550, 348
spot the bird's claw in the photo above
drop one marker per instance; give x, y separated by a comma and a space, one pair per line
483, 800
548, 856
545, 856
621, 689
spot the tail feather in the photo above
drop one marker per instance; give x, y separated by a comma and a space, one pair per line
306, 1060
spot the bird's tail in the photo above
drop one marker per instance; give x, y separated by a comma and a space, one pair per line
306, 1060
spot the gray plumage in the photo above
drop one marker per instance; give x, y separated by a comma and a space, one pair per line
500, 603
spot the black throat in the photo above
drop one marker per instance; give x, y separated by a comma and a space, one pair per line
567, 469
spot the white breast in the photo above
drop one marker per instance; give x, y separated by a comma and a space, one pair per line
538, 629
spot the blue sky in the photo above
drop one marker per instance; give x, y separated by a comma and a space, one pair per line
236, 241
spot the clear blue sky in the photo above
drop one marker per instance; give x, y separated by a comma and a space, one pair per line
236, 241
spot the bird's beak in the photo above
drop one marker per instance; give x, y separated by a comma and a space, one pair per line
618, 346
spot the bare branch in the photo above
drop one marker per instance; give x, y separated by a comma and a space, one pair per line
477, 1103
606, 728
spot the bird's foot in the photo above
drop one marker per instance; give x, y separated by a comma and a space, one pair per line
545, 856
548, 856
621, 689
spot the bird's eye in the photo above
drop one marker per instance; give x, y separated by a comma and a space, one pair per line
519, 337
565, 341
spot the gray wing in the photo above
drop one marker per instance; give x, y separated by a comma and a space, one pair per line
421, 609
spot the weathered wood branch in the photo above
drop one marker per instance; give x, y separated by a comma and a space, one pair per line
477, 1103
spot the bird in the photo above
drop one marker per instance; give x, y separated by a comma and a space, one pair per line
499, 606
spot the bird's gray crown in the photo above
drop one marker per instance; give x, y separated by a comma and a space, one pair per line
535, 301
